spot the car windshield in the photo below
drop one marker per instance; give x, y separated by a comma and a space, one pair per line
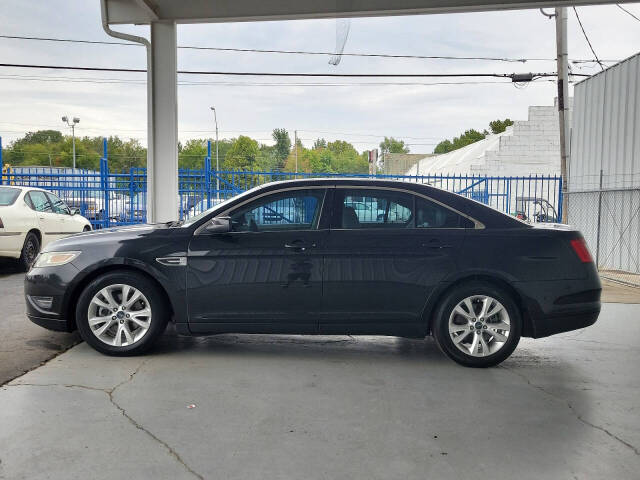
191, 220
8, 196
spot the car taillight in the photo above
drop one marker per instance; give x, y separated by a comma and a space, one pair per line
579, 246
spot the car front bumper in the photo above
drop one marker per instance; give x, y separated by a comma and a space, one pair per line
52, 285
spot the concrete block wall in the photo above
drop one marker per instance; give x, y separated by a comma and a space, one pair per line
534, 146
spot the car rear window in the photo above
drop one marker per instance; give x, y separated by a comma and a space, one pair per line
8, 196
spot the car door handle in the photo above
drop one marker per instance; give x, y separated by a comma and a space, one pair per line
436, 245
298, 246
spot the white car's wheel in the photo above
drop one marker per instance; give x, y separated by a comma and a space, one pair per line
30, 250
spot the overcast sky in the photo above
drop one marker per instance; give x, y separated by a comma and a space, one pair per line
420, 114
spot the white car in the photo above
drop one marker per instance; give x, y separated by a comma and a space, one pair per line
30, 218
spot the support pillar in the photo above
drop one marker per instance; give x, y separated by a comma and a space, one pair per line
162, 161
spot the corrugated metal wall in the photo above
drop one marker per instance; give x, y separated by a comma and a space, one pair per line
604, 168
606, 129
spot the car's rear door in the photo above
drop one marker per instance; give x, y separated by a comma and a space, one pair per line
266, 274
66, 225
384, 258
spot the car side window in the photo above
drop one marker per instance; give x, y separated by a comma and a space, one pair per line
431, 215
360, 208
58, 205
292, 210
39, 201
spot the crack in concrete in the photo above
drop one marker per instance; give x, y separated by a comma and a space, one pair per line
573, 410
110, 393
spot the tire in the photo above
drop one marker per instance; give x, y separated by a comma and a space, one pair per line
30, 250
481, 334
125, 323
86, 228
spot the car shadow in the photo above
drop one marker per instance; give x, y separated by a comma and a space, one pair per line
9, 266
307, 346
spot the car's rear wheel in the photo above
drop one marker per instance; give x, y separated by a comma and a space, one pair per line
121, 313
30, 250
477, 325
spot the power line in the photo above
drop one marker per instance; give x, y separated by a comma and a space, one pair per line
627, 11
287, 52
298, 52
587, 38
281, 74
367, 134
100, 81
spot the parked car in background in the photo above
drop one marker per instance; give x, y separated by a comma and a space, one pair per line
30, 218
429, 262
91, 203
535, 210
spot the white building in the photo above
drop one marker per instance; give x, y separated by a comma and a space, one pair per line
529, 147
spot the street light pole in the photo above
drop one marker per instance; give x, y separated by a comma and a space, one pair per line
215, 118
72, 124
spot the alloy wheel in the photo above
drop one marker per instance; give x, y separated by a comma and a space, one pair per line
119, 315
479, 326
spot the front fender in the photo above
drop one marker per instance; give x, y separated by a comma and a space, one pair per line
172, 280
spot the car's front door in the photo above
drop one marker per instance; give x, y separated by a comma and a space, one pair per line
66, 225
266, 274
386, 251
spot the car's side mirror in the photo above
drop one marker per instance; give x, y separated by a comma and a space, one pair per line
219, 225
74, 211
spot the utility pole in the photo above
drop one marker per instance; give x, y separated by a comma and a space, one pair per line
563, 100
295, 136
72, 124
215, 118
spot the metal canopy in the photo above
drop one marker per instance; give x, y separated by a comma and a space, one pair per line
164, 15
213, 11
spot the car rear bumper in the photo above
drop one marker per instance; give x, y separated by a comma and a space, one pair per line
558, 306
11, 244
550, 325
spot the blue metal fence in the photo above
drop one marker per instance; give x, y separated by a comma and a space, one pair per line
119, 198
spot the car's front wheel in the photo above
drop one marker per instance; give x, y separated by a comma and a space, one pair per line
121, 313
477, 325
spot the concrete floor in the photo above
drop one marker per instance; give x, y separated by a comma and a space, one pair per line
289, 407
23, 345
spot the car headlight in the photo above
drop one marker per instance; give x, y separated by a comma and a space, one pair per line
54, 259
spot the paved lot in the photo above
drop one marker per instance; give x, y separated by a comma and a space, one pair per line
23, 345
341, 407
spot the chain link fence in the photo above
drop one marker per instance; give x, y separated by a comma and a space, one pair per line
609, 219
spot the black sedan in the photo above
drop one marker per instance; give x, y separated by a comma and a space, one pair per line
330, 257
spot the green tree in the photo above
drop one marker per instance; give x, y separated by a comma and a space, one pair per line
242, 154
443, 147
499, 126
391, 145
467, 138
192, 154
319, 143
283, 145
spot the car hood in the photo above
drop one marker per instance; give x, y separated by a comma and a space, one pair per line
107, 236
